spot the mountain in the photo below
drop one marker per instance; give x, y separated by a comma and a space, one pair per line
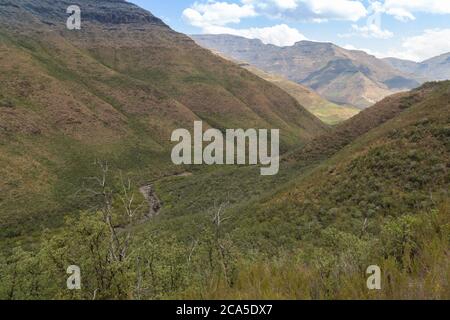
325, 110
388, 162
339, 75
407, 66
372, 191
383, 199
434, 69
113, 91
394, 165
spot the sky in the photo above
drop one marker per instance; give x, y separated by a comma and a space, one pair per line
408, 29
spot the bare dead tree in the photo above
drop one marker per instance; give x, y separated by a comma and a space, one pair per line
218, 219
104, 194
191, 252
364, 226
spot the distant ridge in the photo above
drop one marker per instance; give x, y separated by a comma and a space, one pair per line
433, 69
342, 76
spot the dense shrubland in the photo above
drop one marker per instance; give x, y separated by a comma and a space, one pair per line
308, 233
412, 251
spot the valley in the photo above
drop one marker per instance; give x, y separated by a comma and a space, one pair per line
88, 176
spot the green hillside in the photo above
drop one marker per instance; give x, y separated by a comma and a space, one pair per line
395, 164
382, 199
398, 168
113, 91
308, 233
85, 122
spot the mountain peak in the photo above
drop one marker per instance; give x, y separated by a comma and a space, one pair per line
313, 43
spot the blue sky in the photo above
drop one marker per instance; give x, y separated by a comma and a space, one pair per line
409, 29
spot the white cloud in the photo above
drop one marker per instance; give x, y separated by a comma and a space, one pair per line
217, 13
373, 27
430, 43
313, 10
286, 4
417, 48
337, 9
214, 17
404, 9
279, 35
372, 31
400, 14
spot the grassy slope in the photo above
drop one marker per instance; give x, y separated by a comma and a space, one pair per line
386, 162
398, 168
326, 111
315, 180
69, 98
311, 231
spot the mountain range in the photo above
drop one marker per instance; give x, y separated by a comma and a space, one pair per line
348, 77
326, 111
434, 69
371, 190
366, 192
115, 89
